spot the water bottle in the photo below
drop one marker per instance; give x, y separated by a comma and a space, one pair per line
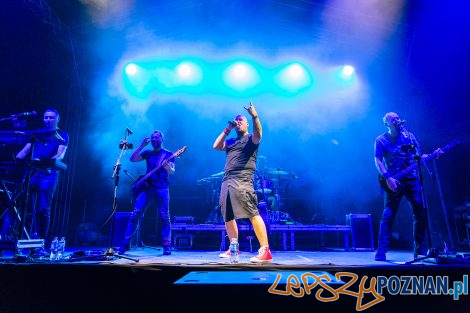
61, 248
234, 251
54, 249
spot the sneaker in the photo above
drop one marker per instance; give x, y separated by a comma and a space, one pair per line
225, 254
166, 250
264, 255
380, 256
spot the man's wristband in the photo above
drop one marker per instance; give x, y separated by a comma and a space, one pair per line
227, 131
254, 117
387, 175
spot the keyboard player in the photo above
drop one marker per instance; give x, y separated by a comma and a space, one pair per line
48, 143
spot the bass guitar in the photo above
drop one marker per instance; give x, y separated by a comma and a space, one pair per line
141, 183
411, 168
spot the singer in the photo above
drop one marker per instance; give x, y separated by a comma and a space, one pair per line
48, 143
237, 196
395, 151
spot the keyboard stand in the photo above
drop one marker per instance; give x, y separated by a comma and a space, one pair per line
12, 207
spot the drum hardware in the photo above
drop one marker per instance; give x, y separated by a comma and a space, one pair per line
213, 182
269, 185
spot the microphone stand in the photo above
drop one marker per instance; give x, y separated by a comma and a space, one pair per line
110, 253
432, 251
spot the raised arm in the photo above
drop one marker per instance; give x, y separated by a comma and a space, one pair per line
136, 157
257, 129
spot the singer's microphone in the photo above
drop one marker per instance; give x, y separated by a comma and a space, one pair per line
232, 123
129, 131
24, 114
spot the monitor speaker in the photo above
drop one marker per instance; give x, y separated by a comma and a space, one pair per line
361, 231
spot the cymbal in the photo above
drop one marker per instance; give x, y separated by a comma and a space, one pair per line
277, 171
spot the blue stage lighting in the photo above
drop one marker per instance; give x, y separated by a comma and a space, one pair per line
131, 69
293, 78
189, 73
347, 72
241, 76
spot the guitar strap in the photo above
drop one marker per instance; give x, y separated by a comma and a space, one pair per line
161, 159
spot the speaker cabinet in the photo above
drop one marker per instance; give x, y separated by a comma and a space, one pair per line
120, 225
183, 241
361, 232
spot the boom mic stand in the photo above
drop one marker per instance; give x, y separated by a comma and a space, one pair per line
110, 253
432, 251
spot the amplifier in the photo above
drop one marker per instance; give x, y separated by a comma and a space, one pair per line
120, 226
361, 231
183, 241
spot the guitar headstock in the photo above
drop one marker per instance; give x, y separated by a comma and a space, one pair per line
179, 152
454, 143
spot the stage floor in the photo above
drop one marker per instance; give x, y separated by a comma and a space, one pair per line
153, 255
200, 281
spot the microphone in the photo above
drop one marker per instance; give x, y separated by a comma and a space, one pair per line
233, 123
401, 123
25, 114
129, 131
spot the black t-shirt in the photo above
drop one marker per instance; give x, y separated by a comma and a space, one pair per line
46, 144
397, 153
160, 179
241, 154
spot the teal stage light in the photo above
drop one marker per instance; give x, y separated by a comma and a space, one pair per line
293, 78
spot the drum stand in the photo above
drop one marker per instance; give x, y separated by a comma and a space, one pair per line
264, 209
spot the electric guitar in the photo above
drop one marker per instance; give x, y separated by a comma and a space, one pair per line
142, 182
411, 168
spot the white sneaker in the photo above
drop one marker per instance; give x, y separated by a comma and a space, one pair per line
225, 255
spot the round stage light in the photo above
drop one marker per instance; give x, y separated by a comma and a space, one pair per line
131, 69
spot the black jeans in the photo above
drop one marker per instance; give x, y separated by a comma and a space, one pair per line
159, 197
411, 189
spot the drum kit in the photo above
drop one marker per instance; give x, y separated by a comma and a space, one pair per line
270, 184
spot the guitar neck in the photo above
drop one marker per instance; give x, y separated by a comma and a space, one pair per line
428, 157
413, 167
155, 169
146, 176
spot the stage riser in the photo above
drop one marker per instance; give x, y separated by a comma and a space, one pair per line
281, 237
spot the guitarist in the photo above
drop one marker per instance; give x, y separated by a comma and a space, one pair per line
155, 190
396, 150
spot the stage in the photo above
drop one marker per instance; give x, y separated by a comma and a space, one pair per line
199, 281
